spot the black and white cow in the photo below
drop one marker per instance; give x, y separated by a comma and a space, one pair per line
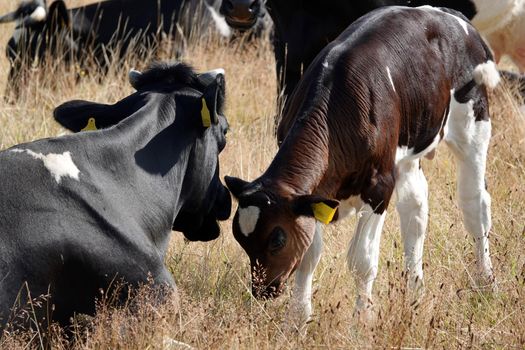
374, 102
304, 27
82, 211
105, 31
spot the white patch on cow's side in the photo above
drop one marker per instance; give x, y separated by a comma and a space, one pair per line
325, 64
248, 218
59, 165
390, 78
461, 21
220, 23
487, 74
39, 14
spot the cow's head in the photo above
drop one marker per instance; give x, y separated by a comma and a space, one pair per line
198, 101
242, 14
38, 29
275, 229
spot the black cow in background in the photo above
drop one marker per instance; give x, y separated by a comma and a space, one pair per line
304, 27
79, 212
105, 31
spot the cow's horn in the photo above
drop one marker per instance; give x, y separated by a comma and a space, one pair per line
134, 76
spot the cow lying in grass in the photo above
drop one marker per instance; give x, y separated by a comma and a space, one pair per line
372, 104
79, 212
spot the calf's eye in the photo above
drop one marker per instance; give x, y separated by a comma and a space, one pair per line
277, 240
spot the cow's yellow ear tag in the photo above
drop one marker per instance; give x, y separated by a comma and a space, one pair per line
323, 212
91, 126
205, 114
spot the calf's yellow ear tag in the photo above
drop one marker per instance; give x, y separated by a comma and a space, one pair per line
205, 114
91, 126
323, 212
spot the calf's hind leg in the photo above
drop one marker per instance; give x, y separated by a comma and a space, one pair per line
468, 137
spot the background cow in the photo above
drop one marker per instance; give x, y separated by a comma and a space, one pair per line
371, 105
105, 31
303, 28
80, 212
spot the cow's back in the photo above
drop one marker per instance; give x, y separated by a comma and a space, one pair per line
370, 61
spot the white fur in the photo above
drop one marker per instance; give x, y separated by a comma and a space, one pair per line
59, 165
469, 140
301, 305
39, 14
248, 218
502, 23
390, 78
494, 15
412, 206
363, 255
487, 74
220, 23
348, 207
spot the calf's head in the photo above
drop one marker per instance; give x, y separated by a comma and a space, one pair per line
275, 229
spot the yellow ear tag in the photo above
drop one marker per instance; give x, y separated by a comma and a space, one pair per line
90, 125
323, 212
205, 114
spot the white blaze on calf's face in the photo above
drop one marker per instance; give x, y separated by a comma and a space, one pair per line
248, 218
59, 165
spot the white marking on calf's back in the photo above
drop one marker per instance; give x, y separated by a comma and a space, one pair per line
248, 218
390, 78
59, 165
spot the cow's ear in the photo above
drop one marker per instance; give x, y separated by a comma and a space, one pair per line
235, 185
320, 208
83, 115
58, 16
213, 97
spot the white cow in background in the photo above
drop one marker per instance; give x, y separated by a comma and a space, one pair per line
502, 23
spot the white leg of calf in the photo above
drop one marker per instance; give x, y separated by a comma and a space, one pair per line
412, 206
469, 141
363, 256
301, 304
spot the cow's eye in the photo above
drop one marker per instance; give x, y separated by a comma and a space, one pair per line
277, 240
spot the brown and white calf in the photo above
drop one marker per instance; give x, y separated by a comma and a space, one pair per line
373, 103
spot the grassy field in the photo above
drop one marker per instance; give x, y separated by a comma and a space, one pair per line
216, 309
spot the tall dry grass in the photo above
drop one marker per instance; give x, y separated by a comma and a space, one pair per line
216, 308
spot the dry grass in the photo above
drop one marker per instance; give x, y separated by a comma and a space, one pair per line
216, 309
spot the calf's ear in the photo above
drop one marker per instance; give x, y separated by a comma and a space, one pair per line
320, 208
235, 185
